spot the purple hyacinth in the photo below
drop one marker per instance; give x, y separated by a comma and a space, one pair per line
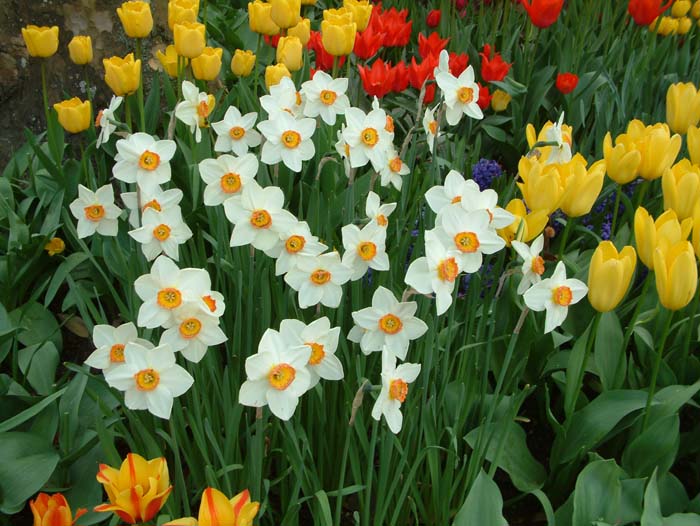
484, 172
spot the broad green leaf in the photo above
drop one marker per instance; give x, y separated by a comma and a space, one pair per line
577, 362
651, 516
483, 506
20, 418
655, 449
38, 363
598, 493
610, 357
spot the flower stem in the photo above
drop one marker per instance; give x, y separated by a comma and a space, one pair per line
565, 236
45, 91
657, 366
341, 480
618, 192
637, 309
368, 477
139, 92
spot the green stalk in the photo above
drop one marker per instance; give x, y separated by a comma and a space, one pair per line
369, 476
44, 91
341, 480
565, 236
686, 342
618, 192
637, 309
657, 366
139, 92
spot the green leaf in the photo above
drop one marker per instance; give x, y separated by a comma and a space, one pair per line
483, 506
39, 363
325, 518
37, 325
28, 413
655, 449
62, 271
577, 361
495, 133
609, 353
598, 493
651, 516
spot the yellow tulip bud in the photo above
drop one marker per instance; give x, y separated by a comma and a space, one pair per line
80, 50
136, 18
361, 12
693, 139
582, 187
609, 275
667, 26
260, 20
290, 53
338, 39
659, 151
180, 11
302, 31
313, 2
122, 75
338, 16
285, 13
676, 274
500, 100
526, 226
274, 74
681, 188
242, 63
169, 60
190, 39
74, 114
55, 246
207, 65
41, 41
696, 230
663, 232
682, 107
695, 11
680, 8
621, 162
541, 186
684, 25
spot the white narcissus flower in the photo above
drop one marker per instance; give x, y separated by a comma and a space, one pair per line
106, 120
288, 140
277, 375
296, 242
451, 192
325, 96
366, 137
393, 170
473, 198
283, 98
193, 332
318, 279
376, 212
258, 216
430, 126
323, 342
388, 119
158, 199
436, 272
388, 324
469, 235
364, 249
443, 63
195, 109
150, 379
561, 153
96, 212
461, 95
110, 342
226, 176
395, 382
235, 133
143, 160
162, 232
554, 295
533, 263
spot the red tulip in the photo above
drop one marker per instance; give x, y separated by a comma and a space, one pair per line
543, 13
378, 79
566, 82
400, 73
368, 42
396, 28
458, 63
461, 4
429, 93
419, 73
644, 12
324, 60
493, 69
433, 18
431, 45
484, 96
272, 40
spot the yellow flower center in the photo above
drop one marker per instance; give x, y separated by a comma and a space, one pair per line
390, 323
369, 136
465, 95
116, 353
281, 375
237, 133
448, 269
347, 150
537, 265
291, 139
294, 244
169, 298
456, 199
433, 127
382, 220
190, 328
149, 161
261, 219
147, 379
395, 164
317, 353
328, 97
367, 250
155, 205
230, 183
562, 296
210, 302
389, 124
398, 389
320, 276
467, 242
203, 110
298, 99
161, 232
94, 212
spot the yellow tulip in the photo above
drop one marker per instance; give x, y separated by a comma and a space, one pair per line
682, 107
609, 275
169, 60
338, 39
684, 25
526, 226
302, 31
500, 100
339, 16
207, 65
274, 74
693, 139
80, 50
74, 114
695, 11
260, 20
122, 75
290, 52
285, 13
53, 510
216, 510
242, 62
180, 11
582, 189
667, 26
137, 490
541, 186
663, 232
361, 12
696, 230
659, 151
680, 8
313, 2
621, 162
41, 41
533, 138
136, 18
190, 39
676, 274
681, 188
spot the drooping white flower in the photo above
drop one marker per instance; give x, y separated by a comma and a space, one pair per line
143, 160
110, 343
158, 199
258, 216
288, 140
150, 379
443, 63
473, 198
388, 324
561, 153
343, 150
554, 295
440, 196
366, 137
297, 241
430, 126
318, 279
277, 375
395, 382
461, 95
376, 212
323, 342
364, 249
325, 96
533, 263
226, 176
195, 109
95, 211
283, 98
161, 233
193, 332
235, 133
393, 170
106, 120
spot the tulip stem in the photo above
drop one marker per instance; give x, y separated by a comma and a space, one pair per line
369, 476
686, 343
139, 91
637, 309
127, 112
618, 193
44, 91
657, 366
341, 481
642, 192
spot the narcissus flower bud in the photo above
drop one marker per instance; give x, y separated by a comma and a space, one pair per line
55, 246
682, 107
242, 63
190, 39
338, 39
361, 12
80, 50
169, 60
136, 18
676, 274
260, 20
290, 53
273, 74
609, 275
681, 188
74, 114
285, 13
663, 232
122, 75
207, 65
41, 41
180, 11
